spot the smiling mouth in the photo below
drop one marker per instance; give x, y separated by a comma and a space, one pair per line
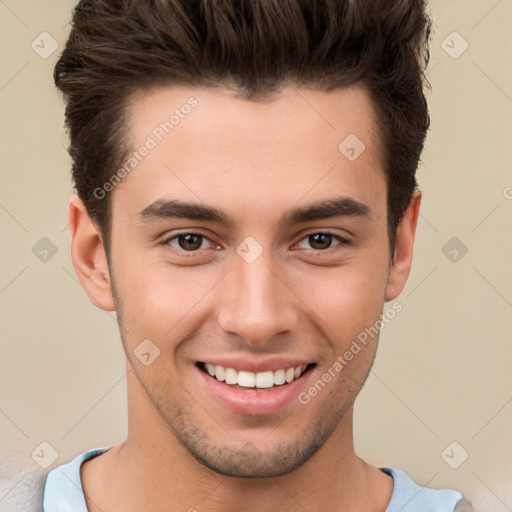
250, 381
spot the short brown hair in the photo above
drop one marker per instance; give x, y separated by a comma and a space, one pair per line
118, 47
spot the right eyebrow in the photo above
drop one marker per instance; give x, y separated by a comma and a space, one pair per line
176, 209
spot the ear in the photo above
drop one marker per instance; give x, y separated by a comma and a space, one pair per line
402, 258
88, 255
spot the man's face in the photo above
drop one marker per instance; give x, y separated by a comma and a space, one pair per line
262, 294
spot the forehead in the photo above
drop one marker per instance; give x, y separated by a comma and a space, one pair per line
290, 113
213, 144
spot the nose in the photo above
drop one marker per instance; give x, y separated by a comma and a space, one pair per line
256, 303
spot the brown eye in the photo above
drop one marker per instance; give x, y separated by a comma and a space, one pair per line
187, 241
190, 242
321, 241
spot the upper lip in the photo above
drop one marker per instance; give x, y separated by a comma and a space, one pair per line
256, 366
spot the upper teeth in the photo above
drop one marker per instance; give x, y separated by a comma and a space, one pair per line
250, 380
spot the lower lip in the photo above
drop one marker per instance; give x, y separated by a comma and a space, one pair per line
255, 403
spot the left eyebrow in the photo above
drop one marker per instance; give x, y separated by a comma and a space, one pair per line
330, 208
320, 210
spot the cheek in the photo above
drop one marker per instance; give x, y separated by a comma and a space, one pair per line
346, 299
158, 299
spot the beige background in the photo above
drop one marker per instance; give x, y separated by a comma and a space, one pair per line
443, 372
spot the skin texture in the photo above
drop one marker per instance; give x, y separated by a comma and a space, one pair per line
255, 161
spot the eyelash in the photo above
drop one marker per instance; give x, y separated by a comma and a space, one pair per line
342, 241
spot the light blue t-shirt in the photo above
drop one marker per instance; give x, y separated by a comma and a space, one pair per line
63, 491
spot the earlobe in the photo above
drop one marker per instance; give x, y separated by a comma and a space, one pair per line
404, 245
88, 255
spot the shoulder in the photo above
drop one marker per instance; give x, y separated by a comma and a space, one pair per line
63, 489
408, 496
